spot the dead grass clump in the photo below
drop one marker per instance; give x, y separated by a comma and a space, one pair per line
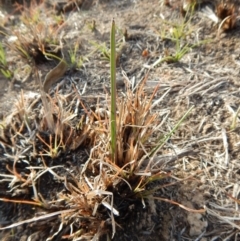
36, 40
103, 179
89, 204
44, 41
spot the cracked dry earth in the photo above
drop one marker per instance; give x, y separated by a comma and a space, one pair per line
203, 155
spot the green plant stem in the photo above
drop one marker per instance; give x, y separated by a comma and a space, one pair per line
113, 92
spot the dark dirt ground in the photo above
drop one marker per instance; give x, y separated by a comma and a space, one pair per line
203, 155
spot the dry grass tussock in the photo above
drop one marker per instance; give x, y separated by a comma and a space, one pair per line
89, 203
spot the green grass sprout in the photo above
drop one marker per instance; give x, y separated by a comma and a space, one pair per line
3, 64
113, 92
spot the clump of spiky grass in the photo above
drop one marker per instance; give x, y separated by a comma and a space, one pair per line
37, 37
92, 193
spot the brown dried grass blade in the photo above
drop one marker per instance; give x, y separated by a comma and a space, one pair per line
180, 205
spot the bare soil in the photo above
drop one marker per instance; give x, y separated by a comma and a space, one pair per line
202, 155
